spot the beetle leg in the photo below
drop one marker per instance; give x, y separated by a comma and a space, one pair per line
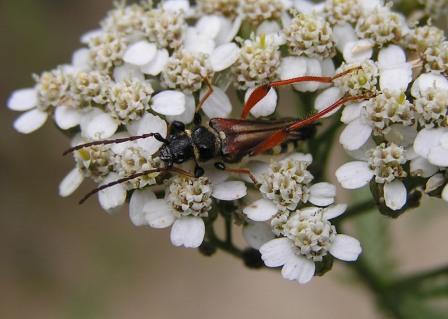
244, 171
206, 96
260, 92
281, 135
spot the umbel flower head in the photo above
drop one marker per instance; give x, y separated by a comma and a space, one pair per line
137, 97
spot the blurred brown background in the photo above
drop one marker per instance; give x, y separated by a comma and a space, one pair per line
61, 260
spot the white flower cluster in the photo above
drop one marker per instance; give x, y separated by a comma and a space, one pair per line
299, 214
149, 66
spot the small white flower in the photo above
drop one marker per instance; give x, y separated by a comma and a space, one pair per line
309, 236
385, 163
187, 201
286, 185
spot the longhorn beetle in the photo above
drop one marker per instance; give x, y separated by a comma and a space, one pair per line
228, 139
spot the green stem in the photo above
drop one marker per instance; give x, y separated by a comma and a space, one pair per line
419, 278
385, 298
227, 245
228, 225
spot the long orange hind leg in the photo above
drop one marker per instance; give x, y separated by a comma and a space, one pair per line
260, 92
281, 135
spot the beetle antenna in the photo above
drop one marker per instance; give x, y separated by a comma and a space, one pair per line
131, 177
157, 136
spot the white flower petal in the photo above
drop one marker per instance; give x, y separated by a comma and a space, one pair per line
218, 104
187, 116
327, 98
86, 37
391, 57
228, 34
354, 175
30, 121
304, 6
427, 81
157, 64
138, 201
292, 67
258, 168
267, 27
97, 125
230, 190
395, 194
224, 56
308, 158
257, 234
81, 59
334, 211
358, 51
23, 100
266, 106
328, 69
214, 175
421, 167
261, 210
176, 5
401, 135
346, 248
114, 196
361, 154
445, 193
71, 182
300, 269
140, 53
277, 252
158, 214
67, 117
435, 182
369, 5
343, 34
351, 112
209, 25
119, 148
313, 68
438, 156
149, 124
169, 103
197, 42
427, 139
396, 80
188, 232
128, 72
322, 194
355, 134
